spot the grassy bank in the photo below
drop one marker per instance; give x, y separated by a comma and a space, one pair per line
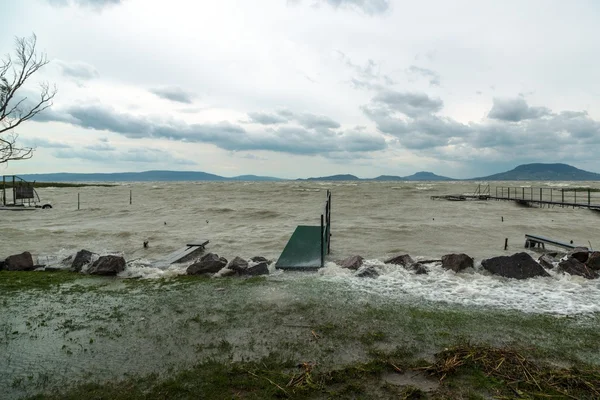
279, 337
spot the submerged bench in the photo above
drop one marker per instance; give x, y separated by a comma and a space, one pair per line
541, 241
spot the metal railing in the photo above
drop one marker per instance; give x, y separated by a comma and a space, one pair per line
326, 229
564, 197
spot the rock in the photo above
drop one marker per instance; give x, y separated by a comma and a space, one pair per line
81, 258
367, 272
2, 265
19, 262
546, 261
418, 268
107, 265
593, 261
354, 262
238, 265
405, 260
575, 267
580, 254
258, 269
209, 264
259, 259
517, 266
457, 262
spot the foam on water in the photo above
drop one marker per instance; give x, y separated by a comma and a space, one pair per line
561, 294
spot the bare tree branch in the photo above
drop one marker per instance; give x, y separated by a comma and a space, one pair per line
14, 110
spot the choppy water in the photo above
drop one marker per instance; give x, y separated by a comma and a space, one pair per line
373, 219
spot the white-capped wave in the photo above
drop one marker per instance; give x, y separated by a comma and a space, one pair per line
558, 294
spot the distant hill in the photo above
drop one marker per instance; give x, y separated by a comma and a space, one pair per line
146, 176
388, 178
543, 172
525, 172
346, 177
427, 176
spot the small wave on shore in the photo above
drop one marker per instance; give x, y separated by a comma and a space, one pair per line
559, 294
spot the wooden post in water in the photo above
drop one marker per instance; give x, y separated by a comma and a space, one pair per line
77, 201
506, 244
523, 195
562, 192
130, 197
589, 197
575, 201
540, 194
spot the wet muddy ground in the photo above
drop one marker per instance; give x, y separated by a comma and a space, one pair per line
92, 329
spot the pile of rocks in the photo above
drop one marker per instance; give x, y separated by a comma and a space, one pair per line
103, 265
90, 263
212, 265
580, 261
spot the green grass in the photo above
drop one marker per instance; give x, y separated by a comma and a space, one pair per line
14, 281
466, 372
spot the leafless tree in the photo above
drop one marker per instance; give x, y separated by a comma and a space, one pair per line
14, 107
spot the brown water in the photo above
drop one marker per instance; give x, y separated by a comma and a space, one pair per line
374, 219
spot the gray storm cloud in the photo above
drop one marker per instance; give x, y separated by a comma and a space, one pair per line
174, 93
313, 136
515, 110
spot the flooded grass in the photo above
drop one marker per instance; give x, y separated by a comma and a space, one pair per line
74, 336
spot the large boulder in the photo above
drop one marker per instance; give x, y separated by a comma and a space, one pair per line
457, 262
81, 258
580, 254
107, 265
19, 262
209, 264
546, 261
575, 267
367, 272
238, 265
517, 266
259, 259
354, 262
405, 260
593, 261
261, 268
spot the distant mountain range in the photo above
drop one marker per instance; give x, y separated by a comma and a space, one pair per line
419, 176
526, 172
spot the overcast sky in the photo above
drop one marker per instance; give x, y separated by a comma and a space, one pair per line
298, 88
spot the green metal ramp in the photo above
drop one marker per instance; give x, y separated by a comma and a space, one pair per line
303, 251
309, 244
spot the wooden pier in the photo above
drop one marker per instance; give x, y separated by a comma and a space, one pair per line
531, 196
550, 197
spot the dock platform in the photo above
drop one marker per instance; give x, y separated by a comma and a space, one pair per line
541, 241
